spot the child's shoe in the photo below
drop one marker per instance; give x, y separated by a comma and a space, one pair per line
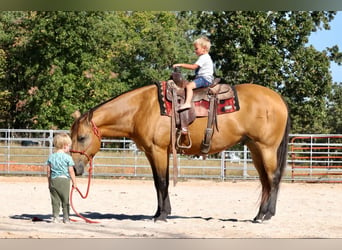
55, 220
184, 107
66, 220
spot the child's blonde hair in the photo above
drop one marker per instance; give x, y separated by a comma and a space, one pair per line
203, 42
60, 140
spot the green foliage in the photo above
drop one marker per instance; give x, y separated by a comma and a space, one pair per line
334, 118
5, 106
54, 63
269, 48
60, 62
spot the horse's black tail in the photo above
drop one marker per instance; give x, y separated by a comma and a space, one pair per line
282, 152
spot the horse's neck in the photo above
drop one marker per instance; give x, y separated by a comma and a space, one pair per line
111, 119
117, 118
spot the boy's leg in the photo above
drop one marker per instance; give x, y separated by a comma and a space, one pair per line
65, 194
55, 200
199, 82
189, 93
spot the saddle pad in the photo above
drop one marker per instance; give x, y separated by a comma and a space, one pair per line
201, 107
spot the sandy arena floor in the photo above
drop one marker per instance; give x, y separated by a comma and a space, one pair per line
200, 209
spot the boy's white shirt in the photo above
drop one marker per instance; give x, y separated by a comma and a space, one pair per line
206, 67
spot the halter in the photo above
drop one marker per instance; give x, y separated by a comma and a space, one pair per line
96, 132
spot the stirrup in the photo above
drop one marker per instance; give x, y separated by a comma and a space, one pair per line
187, 134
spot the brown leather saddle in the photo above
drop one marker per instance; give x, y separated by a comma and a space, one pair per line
219, 90
204, 103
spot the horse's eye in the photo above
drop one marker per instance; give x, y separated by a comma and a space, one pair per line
81, 138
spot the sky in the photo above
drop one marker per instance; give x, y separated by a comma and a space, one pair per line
322, 39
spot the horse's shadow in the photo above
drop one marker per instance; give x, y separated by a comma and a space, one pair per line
237, 220
138, 217
134, 217
120, 217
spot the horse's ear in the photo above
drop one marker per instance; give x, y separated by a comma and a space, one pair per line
76, 114
90, 116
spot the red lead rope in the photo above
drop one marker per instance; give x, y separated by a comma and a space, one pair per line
90, 171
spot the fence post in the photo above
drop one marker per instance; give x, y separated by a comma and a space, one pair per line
311, 154
135, 161
8, 150
245, 174
223, 165
50, 141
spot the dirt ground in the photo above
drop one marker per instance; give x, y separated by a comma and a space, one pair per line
200, 209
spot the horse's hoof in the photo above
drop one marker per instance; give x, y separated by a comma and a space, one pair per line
156, 219
160, 217
268, 216
259, 221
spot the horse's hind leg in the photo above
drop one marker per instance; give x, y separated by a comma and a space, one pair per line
274, 174
265, 161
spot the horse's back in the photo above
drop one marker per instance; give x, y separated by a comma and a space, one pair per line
253, 91
257, 97
263, 112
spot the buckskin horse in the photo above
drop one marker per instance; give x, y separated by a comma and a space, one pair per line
262, 123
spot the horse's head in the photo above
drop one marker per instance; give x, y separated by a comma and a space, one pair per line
86, 141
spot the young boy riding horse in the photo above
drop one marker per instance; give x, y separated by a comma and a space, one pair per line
204, 70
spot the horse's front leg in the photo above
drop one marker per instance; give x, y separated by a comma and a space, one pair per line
159, 160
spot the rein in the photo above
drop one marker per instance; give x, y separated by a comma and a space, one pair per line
90, 171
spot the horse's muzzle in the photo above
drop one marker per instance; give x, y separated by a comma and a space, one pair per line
79, 169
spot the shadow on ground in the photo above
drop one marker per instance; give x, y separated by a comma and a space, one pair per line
99, 216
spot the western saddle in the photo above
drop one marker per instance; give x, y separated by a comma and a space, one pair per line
182, 119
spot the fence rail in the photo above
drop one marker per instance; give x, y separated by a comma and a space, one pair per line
317, 158
313, 158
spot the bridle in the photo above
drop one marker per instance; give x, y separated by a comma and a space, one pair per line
97, 133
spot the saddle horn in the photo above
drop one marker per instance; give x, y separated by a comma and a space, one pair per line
177, 77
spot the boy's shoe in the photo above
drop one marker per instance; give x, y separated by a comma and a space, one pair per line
66, 220
55, 220
184, 107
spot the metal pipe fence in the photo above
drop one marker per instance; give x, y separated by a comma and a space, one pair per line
316, 158
313, 158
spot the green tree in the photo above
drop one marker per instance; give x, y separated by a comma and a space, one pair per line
269, 48
59, 62
53, 63
334, 120
149, 43
47, 66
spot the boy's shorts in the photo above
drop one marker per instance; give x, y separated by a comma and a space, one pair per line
201, 82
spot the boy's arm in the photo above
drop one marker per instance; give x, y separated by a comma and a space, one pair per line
72, 176
186, 66
48, 174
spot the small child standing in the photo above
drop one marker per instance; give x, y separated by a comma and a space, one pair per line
204, 69
59, 172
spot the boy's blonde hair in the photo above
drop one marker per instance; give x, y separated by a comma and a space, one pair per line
60, 140
203, 42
